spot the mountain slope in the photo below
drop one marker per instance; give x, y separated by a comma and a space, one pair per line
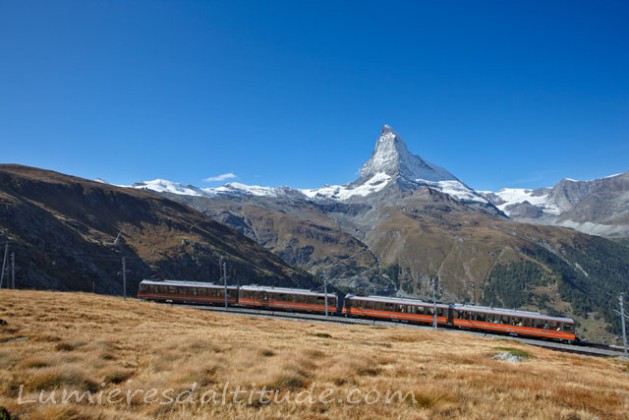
63, 230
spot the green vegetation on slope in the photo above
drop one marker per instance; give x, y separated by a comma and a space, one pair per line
589, 274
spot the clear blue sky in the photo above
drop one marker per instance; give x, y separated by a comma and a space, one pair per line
501, 93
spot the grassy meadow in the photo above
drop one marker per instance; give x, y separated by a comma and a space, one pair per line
139, 360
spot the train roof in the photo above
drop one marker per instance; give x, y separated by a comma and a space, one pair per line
272, 289
402, 301
511, 312
186, 283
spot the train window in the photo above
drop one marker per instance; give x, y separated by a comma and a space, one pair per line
568, 327
481, 317
172, 289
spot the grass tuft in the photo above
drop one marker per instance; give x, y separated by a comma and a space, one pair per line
65, 346
287, 381
117, 376
56, 378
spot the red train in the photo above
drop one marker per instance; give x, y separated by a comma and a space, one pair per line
176, 291
469, 317
478, 318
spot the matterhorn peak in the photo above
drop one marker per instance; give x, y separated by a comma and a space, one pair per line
392, 157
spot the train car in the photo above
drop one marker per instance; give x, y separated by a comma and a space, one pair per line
298, 300
402, 309
520, 323
178, 291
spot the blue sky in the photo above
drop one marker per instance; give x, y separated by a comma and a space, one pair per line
517, 94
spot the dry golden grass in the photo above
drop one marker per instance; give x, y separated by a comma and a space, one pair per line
99, 344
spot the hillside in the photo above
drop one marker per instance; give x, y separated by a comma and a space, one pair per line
153, 354
69, 233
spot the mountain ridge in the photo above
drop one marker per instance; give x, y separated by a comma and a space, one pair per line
70, 234
565, 204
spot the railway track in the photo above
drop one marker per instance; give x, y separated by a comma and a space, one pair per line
592, 349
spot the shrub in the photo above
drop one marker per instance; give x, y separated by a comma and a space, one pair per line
4, 414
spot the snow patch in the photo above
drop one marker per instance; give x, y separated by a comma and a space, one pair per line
507, 356
343, 192
165, 186
238, 188
512, 196
455, 189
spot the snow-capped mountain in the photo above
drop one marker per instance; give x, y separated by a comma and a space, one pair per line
392, 157
391, 162
521, 201
599, 206
165, 186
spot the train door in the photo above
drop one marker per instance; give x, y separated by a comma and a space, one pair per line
450, 322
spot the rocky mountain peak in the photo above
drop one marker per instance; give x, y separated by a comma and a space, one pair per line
392, 157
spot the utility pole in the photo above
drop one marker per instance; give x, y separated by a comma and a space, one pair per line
622, 322
12, 270
325, 291
4, 264
124, 277
224, 268
434, 303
